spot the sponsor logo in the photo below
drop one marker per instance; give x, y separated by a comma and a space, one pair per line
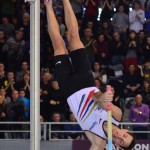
59, 62
95, 123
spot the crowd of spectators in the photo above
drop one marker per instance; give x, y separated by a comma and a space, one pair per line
116, 36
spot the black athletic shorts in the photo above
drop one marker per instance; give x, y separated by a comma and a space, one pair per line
73, 72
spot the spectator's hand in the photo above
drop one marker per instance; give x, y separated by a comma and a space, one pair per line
124, 30
11, 80
117, 98
3, 115
118, 26
133, 88
140, 67
52, 102
103, 55
137, 16
78, 138
69, 137
44, 92
136, 111
119, 44
147, 47
134, 43
134, 120
26, 81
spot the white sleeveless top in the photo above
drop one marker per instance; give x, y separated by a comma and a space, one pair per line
90, 116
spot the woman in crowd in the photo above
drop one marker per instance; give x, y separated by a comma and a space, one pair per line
101, 49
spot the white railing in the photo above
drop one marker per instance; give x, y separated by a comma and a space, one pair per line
46, 128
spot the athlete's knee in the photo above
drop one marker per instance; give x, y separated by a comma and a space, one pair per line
97, 144
73, 33
58, 42
94, 147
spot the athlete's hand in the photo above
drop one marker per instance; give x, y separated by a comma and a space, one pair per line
46, 2
107, 96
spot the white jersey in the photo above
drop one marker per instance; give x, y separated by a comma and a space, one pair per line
89, 114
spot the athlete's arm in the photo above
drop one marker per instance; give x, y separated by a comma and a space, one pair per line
103, 98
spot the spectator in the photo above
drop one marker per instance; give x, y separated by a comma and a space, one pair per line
2, 43
145, 72
91, 25
56, 100
142, 42
107, 9
132, 51
62, 27
25, 26
24, 84
142, 3
56, 117
72, 127
15, 50
118, 49
15, 22
48, 56
58, 7
132, 81
9, 83
15, 111
106, 29
139, 113
120, 22
102, 50
7, 99
26, 116
2, 74
126, 4
146, 92
7, 27
80, 26
22, 97
146, 50
136, 17
91, 10
142, 39
7, 7
98, 83
22, 8
77, 8
3, 116
88, 42
115, 3
42, 126
99, 73
45, 87
24, 69
116, 99
147, 15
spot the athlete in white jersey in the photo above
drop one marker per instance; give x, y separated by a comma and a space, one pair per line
76, 81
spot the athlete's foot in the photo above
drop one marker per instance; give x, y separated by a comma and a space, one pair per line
48, 2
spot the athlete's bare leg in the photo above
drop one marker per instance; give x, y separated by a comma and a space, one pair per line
72, 26
96, 142
53, 29
75, 43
